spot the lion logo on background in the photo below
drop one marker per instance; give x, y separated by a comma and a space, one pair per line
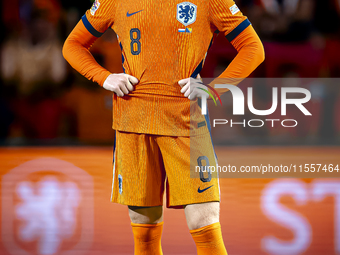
186, 13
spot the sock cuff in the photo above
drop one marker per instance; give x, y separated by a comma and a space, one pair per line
147, 225
202, 230
147, 233
209, 239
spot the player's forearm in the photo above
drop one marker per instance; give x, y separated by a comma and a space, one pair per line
76, 52
250, 55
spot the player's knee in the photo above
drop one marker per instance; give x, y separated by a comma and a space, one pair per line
201, 215
146, 215
202, 221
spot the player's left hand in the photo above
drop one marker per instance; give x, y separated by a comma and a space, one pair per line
192, 88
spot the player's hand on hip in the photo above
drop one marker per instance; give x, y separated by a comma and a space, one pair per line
121, 83
193, 88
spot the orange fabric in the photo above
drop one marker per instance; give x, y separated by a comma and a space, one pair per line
166, 56
250, 55
221, 16
76, 52
158, 54
147, 238
139, 177
209, 240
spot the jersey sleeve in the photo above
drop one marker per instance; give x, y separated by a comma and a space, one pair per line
227, 18
100, 17
76, 52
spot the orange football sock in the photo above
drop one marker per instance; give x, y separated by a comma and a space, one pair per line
147, 238
209, 240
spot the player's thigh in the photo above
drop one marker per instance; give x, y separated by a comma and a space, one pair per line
183, 158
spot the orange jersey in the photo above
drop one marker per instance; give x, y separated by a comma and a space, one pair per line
162, 42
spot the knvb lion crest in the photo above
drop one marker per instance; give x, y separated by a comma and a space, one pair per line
186, 13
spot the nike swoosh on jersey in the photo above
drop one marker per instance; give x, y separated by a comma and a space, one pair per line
202, 190
130, 14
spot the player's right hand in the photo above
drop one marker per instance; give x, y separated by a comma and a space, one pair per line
120, 83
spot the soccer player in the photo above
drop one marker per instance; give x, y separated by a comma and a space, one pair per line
164, 44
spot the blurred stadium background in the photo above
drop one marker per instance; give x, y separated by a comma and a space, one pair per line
56, 139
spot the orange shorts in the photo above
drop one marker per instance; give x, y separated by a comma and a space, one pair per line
145, 164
